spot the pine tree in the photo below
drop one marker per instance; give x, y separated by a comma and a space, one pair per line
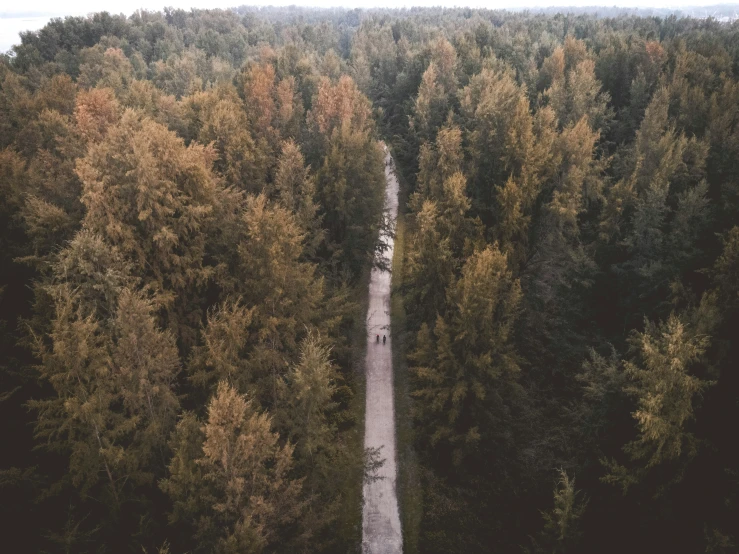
438, 161
146, 366
340, 105
573, 89
222, 357
230, 478
559, 268
577, 183
663, 199
431, 265
79, 419
505, 140
96, 271
283, 289
725, 272
666, 391
153, 199
309, 393
48, 195
259, 90
562, 523
220, 119
296, 190
464, 363
488, 104
113, 405
96, 110
532, 158
350, 184
431, 104
723, 133
105, 67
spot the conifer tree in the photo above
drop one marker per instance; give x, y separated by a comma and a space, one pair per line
436, 90
113, 405
49, 210
296, 190
79, 420
146, 366
562, 523
463, 364
309, 394
431, 104
350, 184
284, 291
505, 140
723, 132
726, 269
153, 198
105, 67
221, 121
438, 161
574, 91
663, 198
431, 265
666, 391
230, 479
95, 270
96, 110
222, 357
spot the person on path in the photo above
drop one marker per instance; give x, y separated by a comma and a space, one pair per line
378, 338
383, 339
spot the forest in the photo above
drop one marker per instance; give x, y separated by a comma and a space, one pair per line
190, 205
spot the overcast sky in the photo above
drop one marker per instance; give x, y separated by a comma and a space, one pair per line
18, 16
129, 6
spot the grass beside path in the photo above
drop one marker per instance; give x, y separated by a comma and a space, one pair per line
409, 485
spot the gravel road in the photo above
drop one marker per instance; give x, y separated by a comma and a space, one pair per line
381, 532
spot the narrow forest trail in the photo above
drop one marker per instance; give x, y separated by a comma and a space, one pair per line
381, 532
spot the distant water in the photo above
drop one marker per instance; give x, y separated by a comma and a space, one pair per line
10, 28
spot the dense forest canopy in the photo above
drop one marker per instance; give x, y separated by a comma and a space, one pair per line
189, 207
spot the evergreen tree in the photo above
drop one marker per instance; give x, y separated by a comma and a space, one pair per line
152, 198
229, 478
296, 190
219, 119
464, 364
561, 523
574, 91
666, 391
113, 405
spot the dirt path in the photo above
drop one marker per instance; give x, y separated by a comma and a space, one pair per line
380, 516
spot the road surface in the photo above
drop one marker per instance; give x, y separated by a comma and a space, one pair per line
380, 516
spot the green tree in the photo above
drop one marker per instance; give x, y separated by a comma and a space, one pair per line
309, 393
229, 478
222, 356
218, 118
574, 91
113, 404
562, 523
153, 198
296, 190
505, 140
350, 184
659, 208
666, 389
462, 366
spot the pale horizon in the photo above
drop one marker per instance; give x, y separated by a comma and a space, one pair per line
127, 7
35, 14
